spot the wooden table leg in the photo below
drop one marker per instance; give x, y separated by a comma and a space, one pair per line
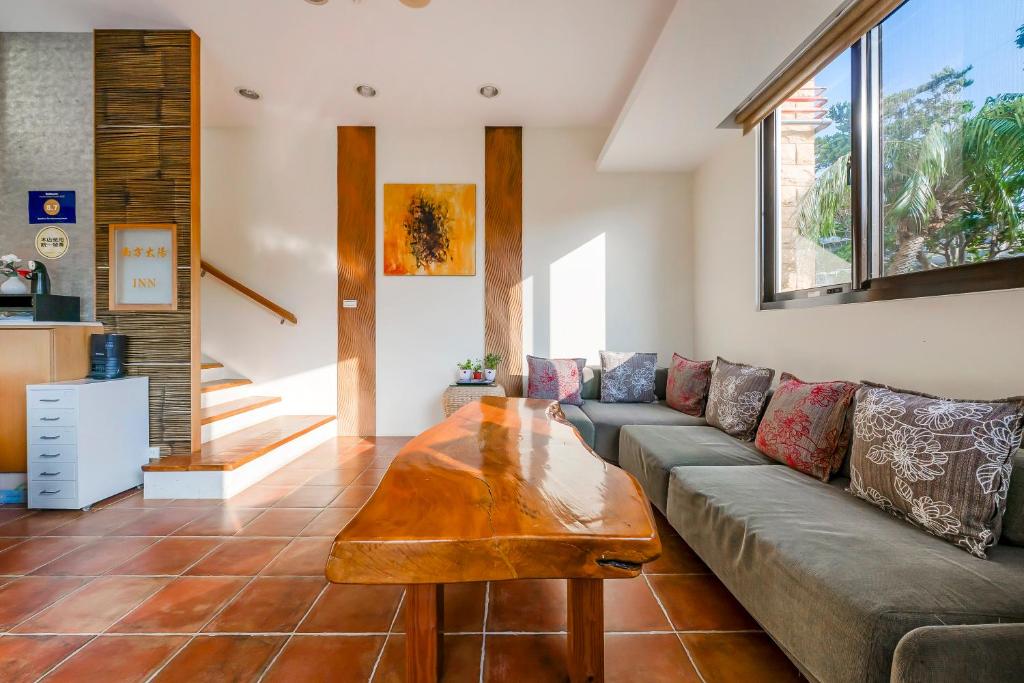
424, 632
586, 630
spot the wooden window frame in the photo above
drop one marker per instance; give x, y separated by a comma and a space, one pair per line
867, 282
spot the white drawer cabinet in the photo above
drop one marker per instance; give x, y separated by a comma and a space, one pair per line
87, 440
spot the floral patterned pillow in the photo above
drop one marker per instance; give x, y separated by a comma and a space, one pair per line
736, 397
805, 425
943, 465
628, 377
556, 379
687, 389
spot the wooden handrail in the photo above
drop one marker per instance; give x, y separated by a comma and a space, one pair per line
282, 313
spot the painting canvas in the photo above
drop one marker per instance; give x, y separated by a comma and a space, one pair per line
429, 229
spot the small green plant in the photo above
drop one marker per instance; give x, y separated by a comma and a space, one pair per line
477, 366
465, 365
491, 361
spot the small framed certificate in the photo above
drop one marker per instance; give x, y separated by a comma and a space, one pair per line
143, 267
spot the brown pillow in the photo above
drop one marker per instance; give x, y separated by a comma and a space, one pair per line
736, 397
940, 464
687, 388
805, 425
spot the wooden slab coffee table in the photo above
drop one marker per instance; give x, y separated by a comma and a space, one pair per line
503, 489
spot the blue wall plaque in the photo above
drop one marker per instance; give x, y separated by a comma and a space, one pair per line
51, 206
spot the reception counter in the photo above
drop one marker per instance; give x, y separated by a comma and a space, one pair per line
33, 353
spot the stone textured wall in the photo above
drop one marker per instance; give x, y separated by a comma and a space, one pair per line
46, 143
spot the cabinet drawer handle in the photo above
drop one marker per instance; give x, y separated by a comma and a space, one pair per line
49, 474
46, 492
49, 455
50, 438
49, 419
49, 400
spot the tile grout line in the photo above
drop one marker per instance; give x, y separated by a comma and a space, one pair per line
391, 629
273, 660
483, 636
686, 650
70, 655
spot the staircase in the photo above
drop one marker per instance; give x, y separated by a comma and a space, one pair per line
244, 438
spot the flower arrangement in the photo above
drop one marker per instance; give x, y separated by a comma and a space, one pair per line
9, 265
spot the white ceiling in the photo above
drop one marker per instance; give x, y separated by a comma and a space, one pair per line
709, 57
660, 74
557, 62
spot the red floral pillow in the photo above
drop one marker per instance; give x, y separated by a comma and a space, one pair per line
688, 382
556, 379
805, 425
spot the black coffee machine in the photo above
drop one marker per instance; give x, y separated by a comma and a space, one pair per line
106, 352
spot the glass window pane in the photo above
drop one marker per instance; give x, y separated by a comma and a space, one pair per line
813, 239
952, 100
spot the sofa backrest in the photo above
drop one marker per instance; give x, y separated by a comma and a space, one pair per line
592, 383
1013, 520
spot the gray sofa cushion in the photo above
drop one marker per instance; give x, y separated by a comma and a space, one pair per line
592, 383
650, 452
1013, 519
836, 581
608, 418
580, 421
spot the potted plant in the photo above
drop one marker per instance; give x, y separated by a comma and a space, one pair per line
478, 371
9, 268
491, 361
465, 371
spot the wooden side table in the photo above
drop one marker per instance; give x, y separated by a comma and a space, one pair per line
458, 395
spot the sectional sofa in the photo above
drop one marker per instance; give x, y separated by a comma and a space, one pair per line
847, 591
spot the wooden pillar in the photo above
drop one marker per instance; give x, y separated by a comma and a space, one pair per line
503, 260
586, 630
357, 318
424, 632
147, 171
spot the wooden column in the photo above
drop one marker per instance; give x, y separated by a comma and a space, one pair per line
424, 632
503, 260
357, 326
586, 630
147, 171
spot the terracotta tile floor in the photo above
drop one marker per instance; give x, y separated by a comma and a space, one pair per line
140, 590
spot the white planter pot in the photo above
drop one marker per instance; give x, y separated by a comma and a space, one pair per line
489, 374
14, 285
465, 375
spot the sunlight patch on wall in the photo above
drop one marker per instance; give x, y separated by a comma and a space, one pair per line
577, 313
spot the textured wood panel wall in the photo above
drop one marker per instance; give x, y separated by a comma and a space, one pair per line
147, 171
503, 261
357, 327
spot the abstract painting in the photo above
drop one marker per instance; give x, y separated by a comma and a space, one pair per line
429, 229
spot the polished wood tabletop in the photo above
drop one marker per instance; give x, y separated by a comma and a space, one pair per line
503, 489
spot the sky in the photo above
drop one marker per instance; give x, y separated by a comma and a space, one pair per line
924, 36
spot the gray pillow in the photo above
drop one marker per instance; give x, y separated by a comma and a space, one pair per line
942, 465
628, 377
736, 397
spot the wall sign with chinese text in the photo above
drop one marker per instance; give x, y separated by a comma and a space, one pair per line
143, 267
51, 206
52, 242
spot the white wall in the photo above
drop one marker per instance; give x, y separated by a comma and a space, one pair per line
964, 346
606, 256
425, 324
269, 219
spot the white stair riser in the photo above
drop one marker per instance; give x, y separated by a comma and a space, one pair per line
224, 484
213, 398
220, 428
215, 373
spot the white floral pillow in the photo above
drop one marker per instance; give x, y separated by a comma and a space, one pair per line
628, 377
940, 464
736, 397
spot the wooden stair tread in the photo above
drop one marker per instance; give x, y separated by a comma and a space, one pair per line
219, 384
238, 448
211, 365
223, 411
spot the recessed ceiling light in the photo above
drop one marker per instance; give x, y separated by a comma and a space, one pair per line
366, 90
415, 4
317, 2
248, 93
489, 91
